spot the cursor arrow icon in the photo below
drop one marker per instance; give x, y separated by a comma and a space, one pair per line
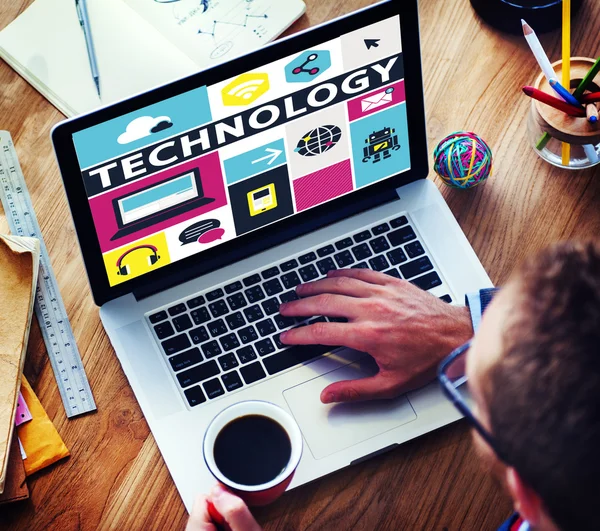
372, 43
272, 154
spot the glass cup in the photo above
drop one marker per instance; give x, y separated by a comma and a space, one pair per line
548, 128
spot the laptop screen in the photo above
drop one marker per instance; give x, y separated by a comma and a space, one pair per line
193, 171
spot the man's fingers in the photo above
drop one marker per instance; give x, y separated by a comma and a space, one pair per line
199, 519
340, 285
371, 388
331, 334
324, 304
233, 509
366, 275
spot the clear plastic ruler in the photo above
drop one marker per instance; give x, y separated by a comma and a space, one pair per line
50, 310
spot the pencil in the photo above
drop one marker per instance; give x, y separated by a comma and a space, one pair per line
592, 97
566, 65
546, 98
538, 51
591, 112
564, 93
589, 77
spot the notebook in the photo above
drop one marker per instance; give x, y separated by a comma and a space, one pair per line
139, 44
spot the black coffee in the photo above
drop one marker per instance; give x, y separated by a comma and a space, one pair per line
252, 450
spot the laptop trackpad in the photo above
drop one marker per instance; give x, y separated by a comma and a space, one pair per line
329, 428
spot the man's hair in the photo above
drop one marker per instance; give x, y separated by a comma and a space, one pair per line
544, 396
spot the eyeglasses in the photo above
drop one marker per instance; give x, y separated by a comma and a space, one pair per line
453, 378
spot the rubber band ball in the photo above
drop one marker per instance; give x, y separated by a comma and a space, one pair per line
463, 160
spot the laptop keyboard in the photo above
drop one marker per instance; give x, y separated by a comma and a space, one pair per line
226, 338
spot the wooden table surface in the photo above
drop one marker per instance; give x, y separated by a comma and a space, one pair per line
116, 478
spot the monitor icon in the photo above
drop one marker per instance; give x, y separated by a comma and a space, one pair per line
262, 199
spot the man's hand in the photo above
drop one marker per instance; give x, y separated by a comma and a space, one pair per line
233, 510
406, 330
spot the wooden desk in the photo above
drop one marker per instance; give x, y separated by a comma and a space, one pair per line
116, 477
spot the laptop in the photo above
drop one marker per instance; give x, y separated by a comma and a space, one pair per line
313, 151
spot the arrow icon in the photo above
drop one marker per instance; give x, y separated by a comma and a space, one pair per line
372, 43
272, 154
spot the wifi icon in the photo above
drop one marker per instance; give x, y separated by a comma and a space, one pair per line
245, 89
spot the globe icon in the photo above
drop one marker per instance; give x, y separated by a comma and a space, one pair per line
319, 140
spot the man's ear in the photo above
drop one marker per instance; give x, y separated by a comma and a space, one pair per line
527, 503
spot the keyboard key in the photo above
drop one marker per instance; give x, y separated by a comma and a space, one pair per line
428, 281
218, 308
251, 280
393, 273
398, 222
248, 334
416, 267
271, 306
217, 327
199, 335
254, 294
183, 322
362, 251
264, 347
344, 244
232, 381
289, 265
361, 265
273, 287
177, 309
200, 315
253, 372
317, 320
214, 294
229, 342
308, 273
283, 322
380, 229
211, 349
185, 359
194, 396
228, 361
344, 259
213, 388
265, 327
253, 313
232, 288
293, 356
362, 236
337, 319
157, 317
278, 343
164, 330
414, 249
290, 280
446, 298
199, 373
270, 273
397, 256
195, 302
236, 301
246, 354
289, 296
235, 320
379, 245
324, 251
306, 258
325, 265
400, 236
379, 263
176, 344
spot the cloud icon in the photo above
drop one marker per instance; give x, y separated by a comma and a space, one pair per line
142, 127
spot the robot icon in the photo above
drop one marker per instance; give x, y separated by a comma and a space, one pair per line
380, 144
307, 66
311, 71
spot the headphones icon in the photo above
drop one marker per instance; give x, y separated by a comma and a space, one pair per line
152, 259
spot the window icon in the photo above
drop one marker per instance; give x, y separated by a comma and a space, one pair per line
245, 89
262, 199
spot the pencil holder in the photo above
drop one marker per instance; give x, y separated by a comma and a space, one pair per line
548, 128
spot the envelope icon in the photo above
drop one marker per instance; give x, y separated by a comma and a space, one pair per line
376, 100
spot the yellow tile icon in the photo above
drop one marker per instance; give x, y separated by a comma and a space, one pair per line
245, 89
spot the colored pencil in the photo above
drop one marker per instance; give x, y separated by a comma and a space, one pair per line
538, 51
592, 97
591, 112
566, 65
591, 154
564, 93
546, 98
589, 77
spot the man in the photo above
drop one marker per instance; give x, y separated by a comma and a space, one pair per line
533, 370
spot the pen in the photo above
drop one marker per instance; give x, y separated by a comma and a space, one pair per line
84, 20
539, 95
564, 93
589, 77
538, 51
